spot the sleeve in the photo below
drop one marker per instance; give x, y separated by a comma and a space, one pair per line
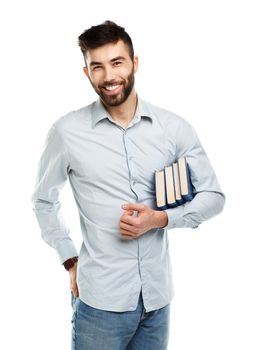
52, 175
209, 199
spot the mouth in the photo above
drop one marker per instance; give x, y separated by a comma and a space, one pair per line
112, 89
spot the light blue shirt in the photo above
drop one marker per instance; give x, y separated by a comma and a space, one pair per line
108, 166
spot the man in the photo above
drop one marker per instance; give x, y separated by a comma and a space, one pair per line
109, 150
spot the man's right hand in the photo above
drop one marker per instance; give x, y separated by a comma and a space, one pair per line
73, 284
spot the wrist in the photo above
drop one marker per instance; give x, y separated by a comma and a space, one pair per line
161, 218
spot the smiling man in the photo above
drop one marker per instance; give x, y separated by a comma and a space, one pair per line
112, 76
109, 150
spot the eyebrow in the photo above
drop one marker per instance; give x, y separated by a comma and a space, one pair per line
95, 63
118, 58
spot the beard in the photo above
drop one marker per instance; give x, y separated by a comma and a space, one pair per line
119, 98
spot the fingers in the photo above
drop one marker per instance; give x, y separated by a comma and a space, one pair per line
128, 231
129, 212
130, 222
126, 227
74, 289
126, 237
128, 217
127, 220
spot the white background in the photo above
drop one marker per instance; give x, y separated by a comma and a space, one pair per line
195, 60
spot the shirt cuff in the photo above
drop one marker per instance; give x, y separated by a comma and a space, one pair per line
174, 216
66, 250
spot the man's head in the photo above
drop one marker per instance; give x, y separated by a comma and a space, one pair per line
110, 61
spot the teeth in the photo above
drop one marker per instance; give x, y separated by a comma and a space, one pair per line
113, 87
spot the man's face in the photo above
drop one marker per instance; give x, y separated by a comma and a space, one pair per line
111, 72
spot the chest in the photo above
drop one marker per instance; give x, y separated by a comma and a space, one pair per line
114, 152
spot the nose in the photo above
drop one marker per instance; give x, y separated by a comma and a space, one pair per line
108, 74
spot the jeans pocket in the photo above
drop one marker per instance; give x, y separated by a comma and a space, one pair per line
73, 304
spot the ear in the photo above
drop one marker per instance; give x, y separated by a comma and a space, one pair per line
85, 69
136, 63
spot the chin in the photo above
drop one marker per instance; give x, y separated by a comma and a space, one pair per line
114, 101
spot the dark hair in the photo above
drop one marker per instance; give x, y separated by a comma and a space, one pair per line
105, 33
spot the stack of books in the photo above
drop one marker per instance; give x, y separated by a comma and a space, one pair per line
173, 185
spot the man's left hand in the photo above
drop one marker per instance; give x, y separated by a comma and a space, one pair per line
138, 219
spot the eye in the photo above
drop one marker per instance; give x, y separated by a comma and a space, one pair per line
95, 68
117, 63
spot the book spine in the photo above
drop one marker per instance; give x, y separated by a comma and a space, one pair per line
163, 207
189, 196
160, 190
170, 187
174, 188
177, 186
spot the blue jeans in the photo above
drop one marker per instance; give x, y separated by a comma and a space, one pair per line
94, 329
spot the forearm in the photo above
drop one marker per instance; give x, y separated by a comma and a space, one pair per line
204, 206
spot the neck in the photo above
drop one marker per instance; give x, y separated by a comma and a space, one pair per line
124, 113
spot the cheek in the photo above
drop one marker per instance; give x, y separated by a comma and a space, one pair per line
95, 79
121, 74
125, 72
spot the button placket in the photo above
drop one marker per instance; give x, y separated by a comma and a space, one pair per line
132, 175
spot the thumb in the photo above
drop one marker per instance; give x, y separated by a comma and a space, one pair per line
133, 206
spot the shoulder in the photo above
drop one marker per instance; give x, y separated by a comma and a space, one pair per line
73, 120
164, 116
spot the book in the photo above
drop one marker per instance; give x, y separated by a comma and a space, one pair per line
185, 180
170, 187
173, 185
179, 198
161, 200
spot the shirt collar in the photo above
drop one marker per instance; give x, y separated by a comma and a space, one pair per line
99, 112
